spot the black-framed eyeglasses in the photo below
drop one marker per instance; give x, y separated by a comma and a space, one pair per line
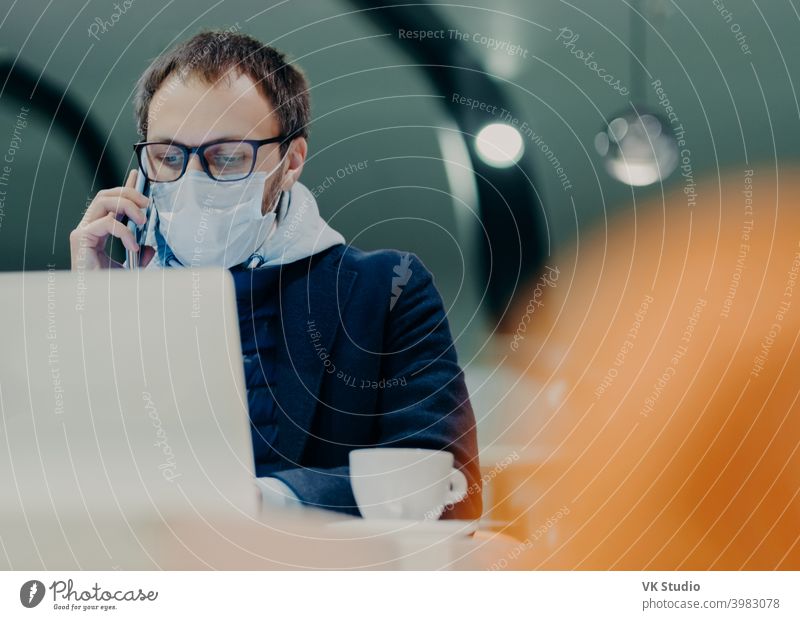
222, 160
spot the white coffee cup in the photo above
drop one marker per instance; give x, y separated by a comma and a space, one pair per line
404, 483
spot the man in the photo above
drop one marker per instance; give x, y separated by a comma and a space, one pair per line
342, 348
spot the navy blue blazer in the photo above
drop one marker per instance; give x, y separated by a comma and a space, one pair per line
364, 358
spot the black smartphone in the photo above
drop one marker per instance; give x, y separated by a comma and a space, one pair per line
139, 233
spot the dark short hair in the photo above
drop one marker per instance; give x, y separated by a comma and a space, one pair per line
209, 55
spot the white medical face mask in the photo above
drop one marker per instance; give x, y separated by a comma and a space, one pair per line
207, 222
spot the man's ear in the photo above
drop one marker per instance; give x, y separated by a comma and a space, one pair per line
296, 158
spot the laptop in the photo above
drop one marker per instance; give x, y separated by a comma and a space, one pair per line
122, 393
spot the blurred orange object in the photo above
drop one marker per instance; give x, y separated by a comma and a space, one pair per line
674, 337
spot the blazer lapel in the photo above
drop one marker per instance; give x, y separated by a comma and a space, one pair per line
313, 297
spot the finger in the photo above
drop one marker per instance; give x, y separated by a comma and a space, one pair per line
105, 202
109, 225
131, 180
139, 199
130, 184
125, 192
118, 206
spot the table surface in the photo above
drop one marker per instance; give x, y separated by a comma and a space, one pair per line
278, 539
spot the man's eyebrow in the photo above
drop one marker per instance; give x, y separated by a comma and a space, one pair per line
232, 138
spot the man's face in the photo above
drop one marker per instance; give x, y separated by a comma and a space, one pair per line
192, 112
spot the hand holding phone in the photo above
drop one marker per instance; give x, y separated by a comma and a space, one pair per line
106, 217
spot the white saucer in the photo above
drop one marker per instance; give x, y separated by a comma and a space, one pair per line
405, 527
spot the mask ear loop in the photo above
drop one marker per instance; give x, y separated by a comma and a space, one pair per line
278, 208
256, 260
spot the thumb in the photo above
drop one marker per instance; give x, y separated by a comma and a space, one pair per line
132, 177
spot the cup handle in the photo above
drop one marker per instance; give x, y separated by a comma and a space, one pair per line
458, 487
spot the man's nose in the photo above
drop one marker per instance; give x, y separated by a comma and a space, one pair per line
194, 163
